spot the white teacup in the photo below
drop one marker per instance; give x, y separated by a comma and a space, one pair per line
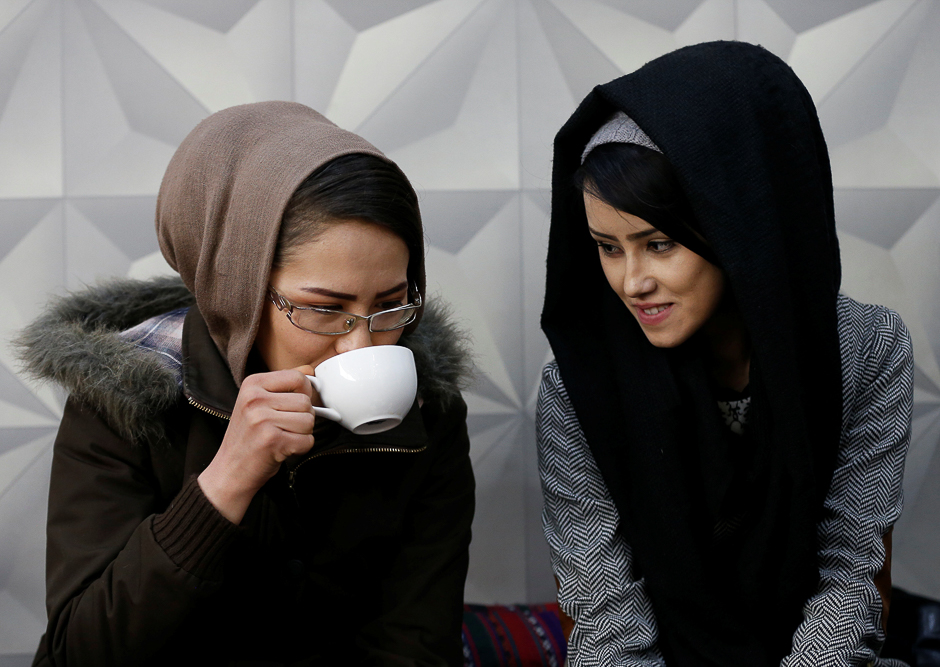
367, 390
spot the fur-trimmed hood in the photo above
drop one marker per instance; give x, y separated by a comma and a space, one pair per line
77, 344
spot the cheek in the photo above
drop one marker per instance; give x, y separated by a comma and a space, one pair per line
709, 288
613, 271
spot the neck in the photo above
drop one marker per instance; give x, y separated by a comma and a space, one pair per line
730, 348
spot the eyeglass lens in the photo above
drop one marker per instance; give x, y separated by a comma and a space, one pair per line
327, 322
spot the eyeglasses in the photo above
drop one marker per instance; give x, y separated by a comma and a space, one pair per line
331, 322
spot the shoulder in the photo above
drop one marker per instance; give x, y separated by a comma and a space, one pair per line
553, 401
873, 342
558, 431
108, 347
867, 330
877, 379
442, 355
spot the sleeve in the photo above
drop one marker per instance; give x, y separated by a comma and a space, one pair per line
423, 593
842, 622
614, 624
120, 578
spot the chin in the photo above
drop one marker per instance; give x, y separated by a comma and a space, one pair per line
665, 340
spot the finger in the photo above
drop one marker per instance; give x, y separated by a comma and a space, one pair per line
286, 402
293, 445
309, 390
290, 380
293, 423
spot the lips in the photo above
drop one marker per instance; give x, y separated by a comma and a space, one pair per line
650, 314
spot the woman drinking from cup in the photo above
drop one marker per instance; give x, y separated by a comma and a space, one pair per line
722, 435
199, 511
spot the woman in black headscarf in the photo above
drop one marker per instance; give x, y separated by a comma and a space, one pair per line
722, 434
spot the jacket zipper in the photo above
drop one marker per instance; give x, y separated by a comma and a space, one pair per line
214, 413
349, 450
345, 450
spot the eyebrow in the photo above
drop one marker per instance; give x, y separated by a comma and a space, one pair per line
630, 237
343, 296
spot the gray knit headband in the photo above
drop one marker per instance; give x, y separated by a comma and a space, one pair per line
620, 129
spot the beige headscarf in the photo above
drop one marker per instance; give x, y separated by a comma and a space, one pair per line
220, 206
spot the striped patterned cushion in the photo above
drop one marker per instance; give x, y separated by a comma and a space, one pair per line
515, 636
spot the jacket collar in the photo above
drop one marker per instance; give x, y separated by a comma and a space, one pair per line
77, 343
207, 381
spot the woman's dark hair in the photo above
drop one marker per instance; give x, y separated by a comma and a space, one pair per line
640, 181
352, 187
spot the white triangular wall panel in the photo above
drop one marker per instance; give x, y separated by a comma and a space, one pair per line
925, 445
91, 256
930, 400
198, 57
12, 416
15, 42
579, 60
914, 117
431, 98
917, 256
51, 397
10, 10
666, 15
150, 266
20, 309
447, 278
499, 527
823, 56
491, 265
33, 270
879, 160
870, 275
545, 101
93, 119
629, 42
758, 23
22, 518
20, 630
140, 83
260, 44
487, 442
20, 395
365, 14
14, 464
479, 405
849, 110
485, 135
322, 42
535, 226
383, 56
713, 19
132, 166
30, 124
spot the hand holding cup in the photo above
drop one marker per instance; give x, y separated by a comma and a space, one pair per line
272, 420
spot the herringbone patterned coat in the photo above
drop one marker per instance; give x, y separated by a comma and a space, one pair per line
615, 624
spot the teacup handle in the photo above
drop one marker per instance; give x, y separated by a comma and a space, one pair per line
329, 413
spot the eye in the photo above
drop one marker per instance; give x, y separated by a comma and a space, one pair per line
388, 305
608, 249
661, 246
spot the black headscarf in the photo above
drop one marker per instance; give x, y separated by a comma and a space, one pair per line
742, 134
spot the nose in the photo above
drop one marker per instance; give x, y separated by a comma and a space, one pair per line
360, 336
637, 280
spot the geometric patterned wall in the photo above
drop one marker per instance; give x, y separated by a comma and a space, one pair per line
466, 95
